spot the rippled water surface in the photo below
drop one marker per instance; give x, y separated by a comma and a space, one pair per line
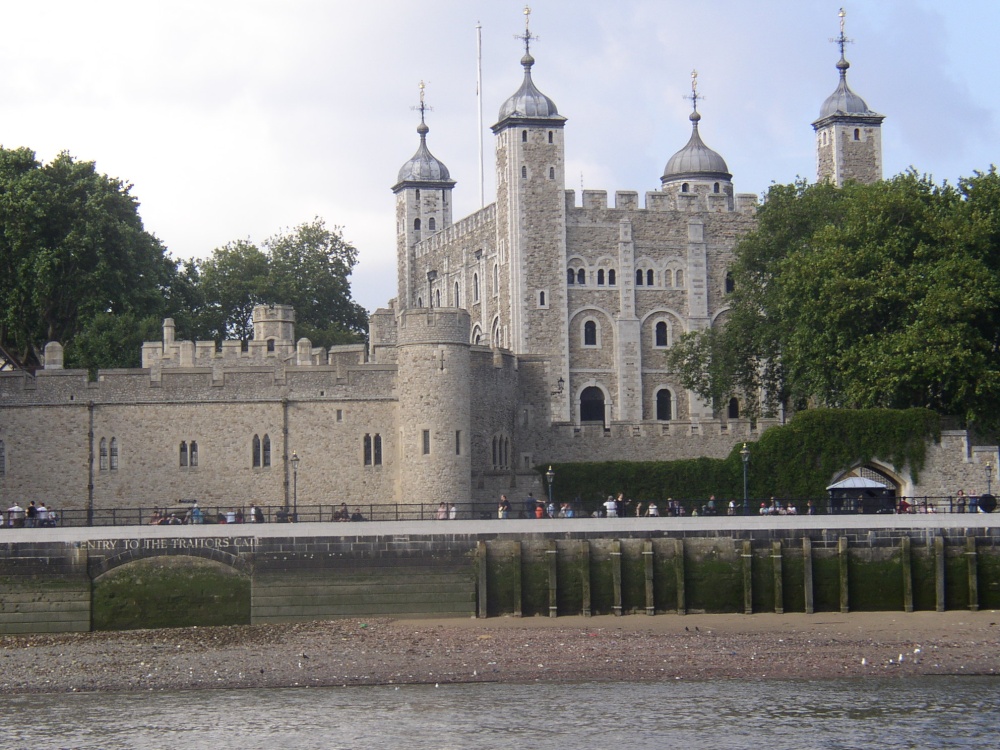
926, 712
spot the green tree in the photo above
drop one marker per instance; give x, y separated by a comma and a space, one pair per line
882, 295
72, 249
308, 267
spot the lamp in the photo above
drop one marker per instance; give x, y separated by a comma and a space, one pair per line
550, 475
431, 278
745, 455
294, 460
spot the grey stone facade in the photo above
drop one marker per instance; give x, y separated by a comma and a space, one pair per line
534, 331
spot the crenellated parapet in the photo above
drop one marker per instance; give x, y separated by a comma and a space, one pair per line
439, 325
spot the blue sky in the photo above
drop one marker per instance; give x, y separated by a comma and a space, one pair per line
237, 119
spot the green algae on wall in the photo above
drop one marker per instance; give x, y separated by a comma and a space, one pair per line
170, 592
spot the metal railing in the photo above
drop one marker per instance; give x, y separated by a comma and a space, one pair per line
687, 507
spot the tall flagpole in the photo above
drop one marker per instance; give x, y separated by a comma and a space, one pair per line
479, 103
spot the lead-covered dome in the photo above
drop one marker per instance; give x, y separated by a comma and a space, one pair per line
696, 159
423, 166
843, 101
528, 101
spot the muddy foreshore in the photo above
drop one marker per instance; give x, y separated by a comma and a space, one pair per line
567, 649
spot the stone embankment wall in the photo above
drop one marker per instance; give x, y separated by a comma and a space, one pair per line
62, 586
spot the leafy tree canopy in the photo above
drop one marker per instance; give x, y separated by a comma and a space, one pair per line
72, 249
307, 267
884, 295
77, 266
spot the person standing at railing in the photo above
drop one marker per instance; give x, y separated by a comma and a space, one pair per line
503, 509
15, 516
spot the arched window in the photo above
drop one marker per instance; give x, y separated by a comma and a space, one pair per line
266, 444
524, 136
420, 301
367, 443
664, 406
684, 188
255, 451
679, 279
611, 277
524, 172
550, 136
194, 453
730, 284
377, 449
570, 276
734, 408
417, 193
114, 454
590, 333
649, 277
552, 173
432, 224
270, 345
496, 280
496, 457
104, 454
592, 405
581, 277
715, 188
541, 299
661, 334
638, 277
857, 134
438, 300
475, 287
416, 224
458, 302
600, 277
183, 454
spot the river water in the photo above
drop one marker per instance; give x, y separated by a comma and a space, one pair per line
924, 712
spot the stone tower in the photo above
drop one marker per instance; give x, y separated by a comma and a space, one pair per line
423, 207
273, 323
848, 134
434, 390
528, 277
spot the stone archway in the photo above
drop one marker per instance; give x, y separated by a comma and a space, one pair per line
177, 590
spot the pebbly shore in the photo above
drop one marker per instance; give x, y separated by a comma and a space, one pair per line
566, 649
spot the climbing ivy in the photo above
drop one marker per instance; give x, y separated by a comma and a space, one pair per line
796, 460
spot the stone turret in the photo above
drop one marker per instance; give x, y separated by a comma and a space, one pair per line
434, 390
848, 133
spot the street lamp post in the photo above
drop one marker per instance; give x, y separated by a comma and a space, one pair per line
989, 476
431, 278
295, 486
550, 475
745, 455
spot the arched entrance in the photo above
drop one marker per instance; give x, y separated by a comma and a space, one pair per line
170, 591
592, 405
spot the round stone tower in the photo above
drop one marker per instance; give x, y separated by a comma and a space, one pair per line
434, 390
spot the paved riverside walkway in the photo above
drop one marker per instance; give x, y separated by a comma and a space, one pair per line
517, 527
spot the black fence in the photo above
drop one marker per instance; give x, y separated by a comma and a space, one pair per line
690, 507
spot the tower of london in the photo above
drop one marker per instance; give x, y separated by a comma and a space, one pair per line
530, 332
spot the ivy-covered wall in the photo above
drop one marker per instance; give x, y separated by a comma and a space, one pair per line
796, 460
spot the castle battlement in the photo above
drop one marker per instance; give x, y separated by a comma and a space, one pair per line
697, 201
472, 223
439, 325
